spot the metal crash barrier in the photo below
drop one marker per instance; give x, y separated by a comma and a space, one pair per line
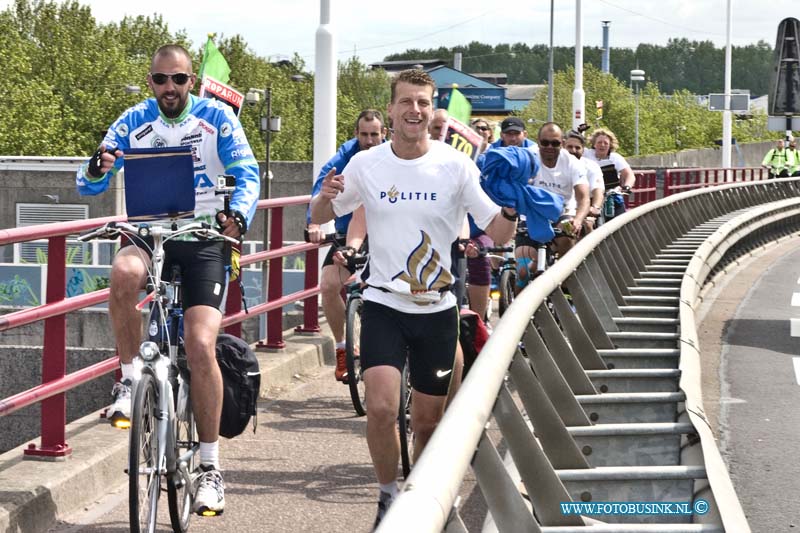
597, 401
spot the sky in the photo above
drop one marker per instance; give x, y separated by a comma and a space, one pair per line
371, 30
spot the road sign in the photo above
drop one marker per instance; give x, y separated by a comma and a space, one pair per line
781, 124
740, 103
784, 93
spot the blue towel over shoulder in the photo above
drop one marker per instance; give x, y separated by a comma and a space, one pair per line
504, 176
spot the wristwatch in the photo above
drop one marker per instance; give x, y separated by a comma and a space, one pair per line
512, 218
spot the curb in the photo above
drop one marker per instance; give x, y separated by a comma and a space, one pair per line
35, 494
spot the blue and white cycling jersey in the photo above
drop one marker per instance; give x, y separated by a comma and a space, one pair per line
218, 142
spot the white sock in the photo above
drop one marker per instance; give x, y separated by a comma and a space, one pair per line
209, 453
127, 371
341, 345
390, 488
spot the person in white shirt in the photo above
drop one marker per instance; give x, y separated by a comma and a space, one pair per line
574, 143
416, 193
617, 173
564, 175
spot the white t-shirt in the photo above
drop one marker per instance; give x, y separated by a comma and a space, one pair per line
593, 174
562, 179
414, 209
611, 166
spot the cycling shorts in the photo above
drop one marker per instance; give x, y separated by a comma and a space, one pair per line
202, 263
479, 269
429, 341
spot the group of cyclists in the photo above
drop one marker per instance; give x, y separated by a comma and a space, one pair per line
413, 194
416, 197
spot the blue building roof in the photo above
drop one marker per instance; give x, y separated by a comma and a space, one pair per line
484, 96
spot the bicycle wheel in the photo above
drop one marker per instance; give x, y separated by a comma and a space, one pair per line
508, 281
404, 422
144, 480
180, 493
352, 348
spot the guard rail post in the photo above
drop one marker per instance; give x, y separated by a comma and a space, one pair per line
310, 305
54, 358
275, 289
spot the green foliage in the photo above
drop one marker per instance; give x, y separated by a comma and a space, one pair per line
65, 75
696, 66
667, 123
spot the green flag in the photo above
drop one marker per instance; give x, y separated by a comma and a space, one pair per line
214, 64
459, 107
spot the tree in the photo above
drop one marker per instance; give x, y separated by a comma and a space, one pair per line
667, 123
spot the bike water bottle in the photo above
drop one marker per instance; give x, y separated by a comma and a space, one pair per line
608, 207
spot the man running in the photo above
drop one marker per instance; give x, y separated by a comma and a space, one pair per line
416, 193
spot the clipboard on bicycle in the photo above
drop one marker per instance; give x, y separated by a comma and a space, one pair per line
159, 183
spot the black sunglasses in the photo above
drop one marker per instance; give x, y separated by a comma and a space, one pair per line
554, 143
482, 128
159, 78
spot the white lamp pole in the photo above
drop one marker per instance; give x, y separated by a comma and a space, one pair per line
550, 75
578, 96
324, 90
726, 114
637, 75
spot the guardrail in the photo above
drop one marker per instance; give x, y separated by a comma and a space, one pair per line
55, 381
603, 416
684, 179
644, 190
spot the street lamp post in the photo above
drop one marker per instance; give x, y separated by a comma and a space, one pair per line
268, 124
637, 75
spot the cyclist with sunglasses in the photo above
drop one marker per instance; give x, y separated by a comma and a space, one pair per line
561, 174
219, 146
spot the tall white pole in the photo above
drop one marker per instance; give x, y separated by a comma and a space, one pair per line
727, 125
324, 90
550, 74
578, 96
324, 99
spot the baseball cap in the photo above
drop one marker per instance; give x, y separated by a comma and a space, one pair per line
512, 124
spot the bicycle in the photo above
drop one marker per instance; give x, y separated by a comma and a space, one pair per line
163, 434
353, 304
545, 258
609, 209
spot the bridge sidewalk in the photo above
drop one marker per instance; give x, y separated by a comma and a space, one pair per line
34, 494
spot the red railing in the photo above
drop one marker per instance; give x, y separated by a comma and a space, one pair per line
683, 179
644, 190
55, 381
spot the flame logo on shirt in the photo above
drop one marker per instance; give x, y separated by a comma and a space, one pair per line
423, 269
392, 194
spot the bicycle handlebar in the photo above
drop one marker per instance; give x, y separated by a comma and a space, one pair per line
114, 229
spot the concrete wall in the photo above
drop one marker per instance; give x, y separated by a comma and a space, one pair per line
20, 367
750, 156
21, 362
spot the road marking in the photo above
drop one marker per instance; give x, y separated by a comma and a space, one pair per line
796, 299
796, 361
795, 329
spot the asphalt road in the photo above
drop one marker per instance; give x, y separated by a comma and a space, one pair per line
306, 468
760, 418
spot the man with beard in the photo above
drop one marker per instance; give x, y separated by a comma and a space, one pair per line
564, 175
219, 146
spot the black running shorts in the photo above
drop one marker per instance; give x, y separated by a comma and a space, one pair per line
429, 341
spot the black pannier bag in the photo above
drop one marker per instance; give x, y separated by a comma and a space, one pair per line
241, 383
